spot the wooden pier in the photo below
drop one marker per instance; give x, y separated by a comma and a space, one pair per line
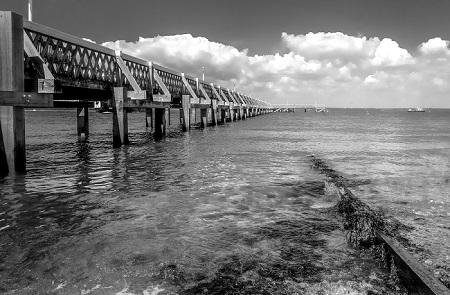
41, 67
288, 108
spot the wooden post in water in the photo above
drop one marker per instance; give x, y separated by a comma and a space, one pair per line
186, 112
120, 117
83, 123
193, 116
148, 118
224, 115
167, 119
12, 118
214, 112
231, 110
203, 115
160, 123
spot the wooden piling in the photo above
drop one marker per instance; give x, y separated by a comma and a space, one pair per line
185, 112
120, 117
149, 118
160, 123
214, 112
223, 115
83, 122
203, 116
12, 118
231, 111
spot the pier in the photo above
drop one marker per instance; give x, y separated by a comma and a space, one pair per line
41, 67
288, 108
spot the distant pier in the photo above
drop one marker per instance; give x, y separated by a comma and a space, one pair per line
288, 108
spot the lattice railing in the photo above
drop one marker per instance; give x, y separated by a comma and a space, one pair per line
172, 80
72, 63
208, 90
79, 63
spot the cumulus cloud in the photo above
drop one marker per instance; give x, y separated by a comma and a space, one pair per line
330, 45
389, 53
435, 46
330, 67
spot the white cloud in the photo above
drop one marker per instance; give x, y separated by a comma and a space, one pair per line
435, 46
438, 81
330, 45
388, 53
328, 67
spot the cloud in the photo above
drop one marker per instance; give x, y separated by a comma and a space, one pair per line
388, 53
330, 45
435, 46
332, 68
187, 54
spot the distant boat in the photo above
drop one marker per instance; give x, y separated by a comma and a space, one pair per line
420, 110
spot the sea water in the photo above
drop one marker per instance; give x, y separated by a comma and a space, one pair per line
232, 209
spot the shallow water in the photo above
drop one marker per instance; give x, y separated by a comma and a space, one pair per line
233, 206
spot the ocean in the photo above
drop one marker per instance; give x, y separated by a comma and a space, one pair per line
231, 209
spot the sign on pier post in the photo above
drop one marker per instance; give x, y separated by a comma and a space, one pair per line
12, 118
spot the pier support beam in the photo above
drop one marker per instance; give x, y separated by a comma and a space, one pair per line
185, 113
83, 123
160, 123
12, 118
120, 117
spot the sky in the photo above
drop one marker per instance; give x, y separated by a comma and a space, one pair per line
341, 53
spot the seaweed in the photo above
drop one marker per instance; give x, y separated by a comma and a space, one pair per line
361, 222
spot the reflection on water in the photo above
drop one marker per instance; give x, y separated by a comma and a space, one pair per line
234, 208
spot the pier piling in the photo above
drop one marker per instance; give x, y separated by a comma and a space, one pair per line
160, 123
149, 118
186, 112
82, 122
120, 117
12, 118
214, 112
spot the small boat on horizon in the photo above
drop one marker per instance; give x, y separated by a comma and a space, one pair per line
420, 110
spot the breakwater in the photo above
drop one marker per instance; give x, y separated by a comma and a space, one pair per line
368, 228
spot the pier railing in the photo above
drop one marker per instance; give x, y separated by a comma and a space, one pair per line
74, 62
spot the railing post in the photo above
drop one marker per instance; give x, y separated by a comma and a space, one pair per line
120, 117
12, 119
160, 123
186, 112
